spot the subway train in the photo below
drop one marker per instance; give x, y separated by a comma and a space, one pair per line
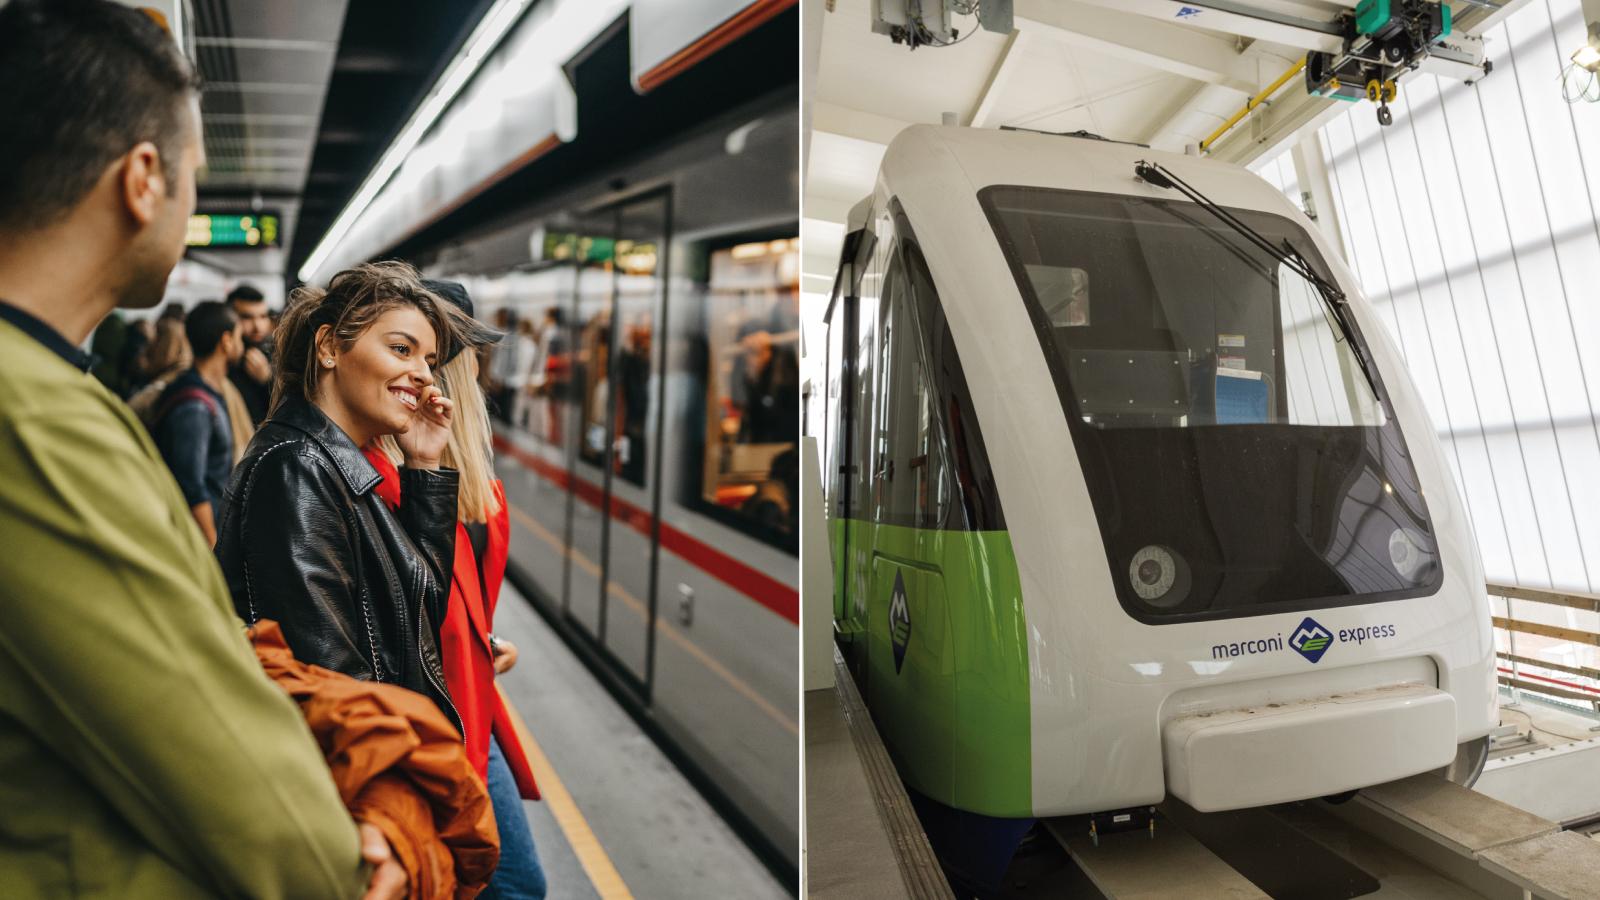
647, 394
1129, 493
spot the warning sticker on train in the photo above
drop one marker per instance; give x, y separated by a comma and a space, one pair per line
899, 622
1309, 639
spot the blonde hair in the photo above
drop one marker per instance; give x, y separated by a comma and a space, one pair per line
168, 353
469, 450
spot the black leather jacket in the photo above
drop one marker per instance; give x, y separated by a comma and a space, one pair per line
304, 540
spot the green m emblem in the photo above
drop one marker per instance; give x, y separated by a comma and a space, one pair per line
899, 622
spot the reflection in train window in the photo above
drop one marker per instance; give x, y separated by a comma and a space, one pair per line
637, 286
750, 466
529, 372
611, 365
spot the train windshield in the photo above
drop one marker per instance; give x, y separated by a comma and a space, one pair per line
1238, 459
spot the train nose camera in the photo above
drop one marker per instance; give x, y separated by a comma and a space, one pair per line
1159, 576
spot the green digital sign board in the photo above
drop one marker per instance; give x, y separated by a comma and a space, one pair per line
250, 231
635, 257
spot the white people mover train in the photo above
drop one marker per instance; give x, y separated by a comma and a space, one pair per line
1154, 498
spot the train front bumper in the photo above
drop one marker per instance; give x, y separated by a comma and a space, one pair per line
1254, 756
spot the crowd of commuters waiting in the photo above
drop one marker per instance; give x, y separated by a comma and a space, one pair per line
246, 648
199, 380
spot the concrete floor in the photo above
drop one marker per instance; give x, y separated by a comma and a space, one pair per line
1547, 724
663, 839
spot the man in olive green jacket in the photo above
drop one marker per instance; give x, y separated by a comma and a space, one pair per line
143, 752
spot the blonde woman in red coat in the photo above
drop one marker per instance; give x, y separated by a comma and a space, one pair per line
472, 655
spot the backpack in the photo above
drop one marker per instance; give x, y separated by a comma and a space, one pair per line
151, 413
143, 401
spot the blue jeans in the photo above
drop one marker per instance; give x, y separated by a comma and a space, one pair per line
519, 876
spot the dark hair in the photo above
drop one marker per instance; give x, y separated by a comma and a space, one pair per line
245, 293
353, 300
84, 81
173, 310
205, 326
471, 333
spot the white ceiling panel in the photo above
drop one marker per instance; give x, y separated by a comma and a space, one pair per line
290, 62
863, 70
281, 19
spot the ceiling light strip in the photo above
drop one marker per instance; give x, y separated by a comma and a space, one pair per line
484, 38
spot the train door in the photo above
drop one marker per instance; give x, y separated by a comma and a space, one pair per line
835, 441
615, 416
588, 337
862, 359
910, 647
633, 434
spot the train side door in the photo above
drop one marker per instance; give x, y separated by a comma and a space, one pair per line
835, 440
620, 304
911, 653
859, 364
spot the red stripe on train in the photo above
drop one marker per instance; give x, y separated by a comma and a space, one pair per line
742, 577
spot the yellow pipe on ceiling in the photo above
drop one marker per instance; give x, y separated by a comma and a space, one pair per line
1253, 102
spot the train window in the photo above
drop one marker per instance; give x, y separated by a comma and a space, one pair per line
1202, 331
912, 475
750, 464
1323, 383
860, 458
836, 463
593, 360
631, 374
1283, 484
528, 371
975, 499
864, 383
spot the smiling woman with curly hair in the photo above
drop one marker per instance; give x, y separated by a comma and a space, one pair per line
304, 540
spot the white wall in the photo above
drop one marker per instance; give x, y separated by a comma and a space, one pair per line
1471, 223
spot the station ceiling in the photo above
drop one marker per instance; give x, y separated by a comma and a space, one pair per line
302, 97
390, 54
265, 69
1129, 70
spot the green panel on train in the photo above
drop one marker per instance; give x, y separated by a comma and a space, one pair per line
958, 691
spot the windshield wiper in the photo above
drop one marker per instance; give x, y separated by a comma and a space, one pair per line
1333, 299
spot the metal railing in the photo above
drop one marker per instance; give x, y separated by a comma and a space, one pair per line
1568, 691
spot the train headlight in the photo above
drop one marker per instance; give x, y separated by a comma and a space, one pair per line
1406, 553
1158, 576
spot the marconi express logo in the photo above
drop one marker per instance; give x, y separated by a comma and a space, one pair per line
1309, 639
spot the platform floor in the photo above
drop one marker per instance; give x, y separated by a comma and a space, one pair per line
618, 819
1547, 724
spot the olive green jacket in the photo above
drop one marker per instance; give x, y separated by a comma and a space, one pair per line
143, 752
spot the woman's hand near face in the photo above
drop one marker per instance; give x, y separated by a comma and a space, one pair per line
424, 442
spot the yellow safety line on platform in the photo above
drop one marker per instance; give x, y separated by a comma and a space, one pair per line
705, 659
596, 864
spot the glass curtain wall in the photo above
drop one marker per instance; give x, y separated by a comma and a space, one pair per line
1472, 226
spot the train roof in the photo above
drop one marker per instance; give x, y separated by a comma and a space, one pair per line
928, 161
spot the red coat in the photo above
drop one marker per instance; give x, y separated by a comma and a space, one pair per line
464, 637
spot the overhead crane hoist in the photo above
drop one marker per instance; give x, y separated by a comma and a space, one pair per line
1359, 53
1382, 40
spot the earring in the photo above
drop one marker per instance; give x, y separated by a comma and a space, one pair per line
327, 361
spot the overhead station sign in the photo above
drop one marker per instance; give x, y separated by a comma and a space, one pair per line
632, 257
250, 231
